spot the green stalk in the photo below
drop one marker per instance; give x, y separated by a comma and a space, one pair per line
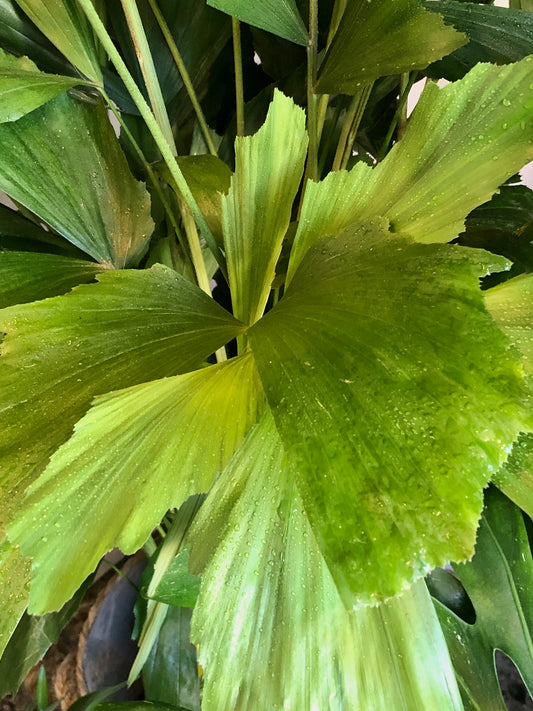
239, 86
312, 99
397, 115
146, 62
356, 121
184, 75
153, 127
346, 126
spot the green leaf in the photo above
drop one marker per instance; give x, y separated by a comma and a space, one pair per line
495, 34
20, 234
171, 673
375, 39
134, 706
257, 209
64, 163
24, 88
281, 17
137, 436
28, 276
178, 587
362, 374
515, 478
130, 327
31, 640
511, 305
504, 613
272, 630
67, 28
14, 587
461, 143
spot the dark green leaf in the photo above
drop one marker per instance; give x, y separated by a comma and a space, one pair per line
281, 17
375, 39
28, 276
377, 404
171, 673
58, 354
497, 580
64, 163
19, 234
178, 587
495, 34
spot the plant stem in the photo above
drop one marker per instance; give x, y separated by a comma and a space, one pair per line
153, 127
239, 86
354, 127
184, 75
146, 63
397, 115
312, 100
402, 117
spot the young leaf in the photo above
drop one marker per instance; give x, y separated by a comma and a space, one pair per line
361, 373
149, 440
58, 354
502, 555
257, 209
29, 276
64, 163
67, 28
495, 34
375, 39
272, 630
462, 142
281, 17
14, 585
178, 587
24, 88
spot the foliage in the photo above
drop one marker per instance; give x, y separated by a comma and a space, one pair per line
268, 326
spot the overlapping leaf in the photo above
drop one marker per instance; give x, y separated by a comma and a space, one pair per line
64, 163
58, 354
137, 453
281, 17
504, 613
462, 142
257, 209
24, 88
396, 397
14, 585
272, 630
67, 28
375, 39
30, 276
19, 234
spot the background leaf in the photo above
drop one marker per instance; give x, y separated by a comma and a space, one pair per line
361, 374
63, 162
178, 587
375, 39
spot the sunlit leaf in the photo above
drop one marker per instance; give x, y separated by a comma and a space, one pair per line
58, 354
462, 142
29, 276
515, 478
272, 630
375, 39
495, 34
281, 17
67, 28
24, 88
504, 613
396, 396
150, 442
63, 162
257, 209
14, 588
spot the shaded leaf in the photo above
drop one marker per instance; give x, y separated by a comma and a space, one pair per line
150, 442
377, 404
28, 276
375, 39
66, 26
171, 673
495, 34
19, 234
515, 478
461, 143
272, 630
281, 17
504, 611
24, 88
58, 354
178, 587
64, 163
257, 209
14, 587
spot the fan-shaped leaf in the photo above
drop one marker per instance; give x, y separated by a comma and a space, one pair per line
14, 586
281, 17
